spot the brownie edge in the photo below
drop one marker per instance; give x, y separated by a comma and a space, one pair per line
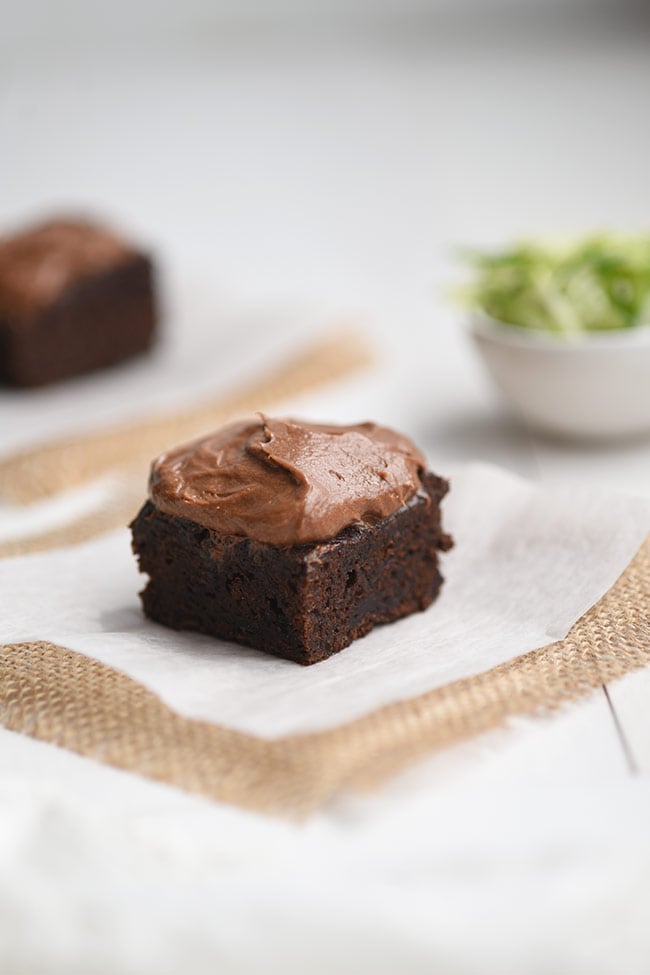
303, 602
74, 298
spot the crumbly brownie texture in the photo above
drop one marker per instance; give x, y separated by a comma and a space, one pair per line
304, 602
73, 298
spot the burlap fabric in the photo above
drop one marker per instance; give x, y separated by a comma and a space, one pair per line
58, 696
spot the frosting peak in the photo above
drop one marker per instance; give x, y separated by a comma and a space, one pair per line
287, 482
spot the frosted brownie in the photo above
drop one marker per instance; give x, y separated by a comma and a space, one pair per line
74, 297
294, 538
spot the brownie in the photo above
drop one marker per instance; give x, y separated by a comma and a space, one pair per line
303, 601
74, 298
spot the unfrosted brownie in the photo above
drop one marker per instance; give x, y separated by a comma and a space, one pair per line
74, 297
294, 538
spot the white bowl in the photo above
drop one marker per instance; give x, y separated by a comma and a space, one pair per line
593, 385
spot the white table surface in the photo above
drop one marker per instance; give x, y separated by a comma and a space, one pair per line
321, 178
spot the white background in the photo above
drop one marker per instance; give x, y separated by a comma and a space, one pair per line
330, 159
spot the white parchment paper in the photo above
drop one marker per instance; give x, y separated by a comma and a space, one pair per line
527, 562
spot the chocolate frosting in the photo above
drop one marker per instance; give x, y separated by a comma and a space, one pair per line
287, 482
38, 265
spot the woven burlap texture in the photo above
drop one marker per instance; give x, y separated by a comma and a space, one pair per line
59, 696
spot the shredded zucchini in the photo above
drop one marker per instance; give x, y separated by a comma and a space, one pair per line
598, 283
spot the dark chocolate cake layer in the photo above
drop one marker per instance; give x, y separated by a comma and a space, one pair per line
73, 298
304, 602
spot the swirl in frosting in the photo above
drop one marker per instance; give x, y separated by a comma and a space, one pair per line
287, 482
